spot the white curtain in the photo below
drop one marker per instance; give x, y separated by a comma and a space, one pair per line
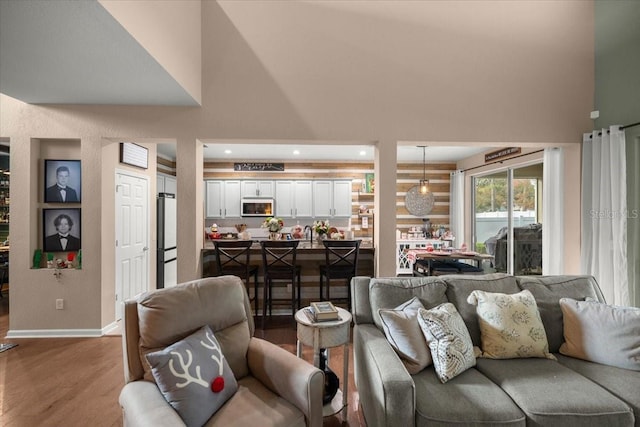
604, 212
457, 207
553, 212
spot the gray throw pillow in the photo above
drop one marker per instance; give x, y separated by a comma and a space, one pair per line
403, 333
194, 376
601, 333
449, 340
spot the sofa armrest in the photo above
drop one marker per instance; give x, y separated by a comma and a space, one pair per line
143, 405
292, 378
385, 388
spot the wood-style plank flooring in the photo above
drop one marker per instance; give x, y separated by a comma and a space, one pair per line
76, 381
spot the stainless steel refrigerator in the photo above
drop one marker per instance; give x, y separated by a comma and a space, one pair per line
167, 271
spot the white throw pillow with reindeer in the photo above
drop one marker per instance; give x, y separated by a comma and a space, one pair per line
194, 376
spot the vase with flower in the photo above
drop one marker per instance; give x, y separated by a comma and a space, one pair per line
321, 228
274, 225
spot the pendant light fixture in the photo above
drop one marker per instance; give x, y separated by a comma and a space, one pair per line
424, 182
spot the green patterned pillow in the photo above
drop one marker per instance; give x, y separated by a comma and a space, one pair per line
449, 340
510, 325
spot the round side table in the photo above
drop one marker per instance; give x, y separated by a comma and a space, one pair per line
327, 334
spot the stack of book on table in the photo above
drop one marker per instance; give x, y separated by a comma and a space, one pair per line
322, 312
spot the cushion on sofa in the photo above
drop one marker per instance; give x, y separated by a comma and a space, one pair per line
449, 341
459, 288
468, 399
553, 395
548, 290
401, 328
601, 333
256, 405
618, 381
215, 301
510, 325
194, 376
388, 293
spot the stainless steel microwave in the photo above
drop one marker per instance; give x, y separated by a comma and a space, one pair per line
257, 207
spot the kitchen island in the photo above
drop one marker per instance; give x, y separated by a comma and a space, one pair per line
310, 256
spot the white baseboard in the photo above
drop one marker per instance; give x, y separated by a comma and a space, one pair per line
55, 333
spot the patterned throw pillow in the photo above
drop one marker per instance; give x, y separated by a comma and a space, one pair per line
510, 325
601, 333
194, 376
449, 340
403, 333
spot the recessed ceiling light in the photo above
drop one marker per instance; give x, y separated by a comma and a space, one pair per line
227, 151
363, 153
296, 152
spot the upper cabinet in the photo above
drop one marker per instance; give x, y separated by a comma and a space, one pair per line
258, 188
294, 199
222, 199
167, 184
332, 198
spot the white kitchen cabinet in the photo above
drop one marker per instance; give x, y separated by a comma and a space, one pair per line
332, 199
222, 199
342, 198
294, 199
258, 188
167, 184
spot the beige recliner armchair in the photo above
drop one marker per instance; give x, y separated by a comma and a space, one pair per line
275, 388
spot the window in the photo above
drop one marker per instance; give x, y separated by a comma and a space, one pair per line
506, 218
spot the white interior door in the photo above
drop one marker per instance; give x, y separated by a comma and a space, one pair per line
132, 237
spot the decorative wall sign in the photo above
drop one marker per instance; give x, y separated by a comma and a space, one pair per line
134, 155
62, 181
259, 167
502, 153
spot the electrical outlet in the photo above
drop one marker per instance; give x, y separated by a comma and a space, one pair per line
59, 304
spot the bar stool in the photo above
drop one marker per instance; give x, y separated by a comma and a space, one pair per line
341, 262
233, 258
279, 264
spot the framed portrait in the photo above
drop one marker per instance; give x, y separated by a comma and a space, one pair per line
62, 181
61, 230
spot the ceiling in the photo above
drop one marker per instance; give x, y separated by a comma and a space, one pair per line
75, 52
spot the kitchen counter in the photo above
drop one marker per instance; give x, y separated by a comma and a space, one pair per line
310, 256
303, 245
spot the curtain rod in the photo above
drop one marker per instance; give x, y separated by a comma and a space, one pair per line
629, 126
501, 161
621, 128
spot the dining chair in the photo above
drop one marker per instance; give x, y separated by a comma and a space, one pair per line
233, 258
279, 264
341, 262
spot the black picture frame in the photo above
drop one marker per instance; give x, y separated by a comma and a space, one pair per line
54, 170
51, 220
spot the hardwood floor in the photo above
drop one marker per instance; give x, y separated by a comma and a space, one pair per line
76, 381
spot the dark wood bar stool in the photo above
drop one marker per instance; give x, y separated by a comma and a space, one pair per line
233, 258
279, 264
341, 263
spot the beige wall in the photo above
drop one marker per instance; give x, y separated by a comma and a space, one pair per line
484, 73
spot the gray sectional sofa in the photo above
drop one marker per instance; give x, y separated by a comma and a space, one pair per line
506, 392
